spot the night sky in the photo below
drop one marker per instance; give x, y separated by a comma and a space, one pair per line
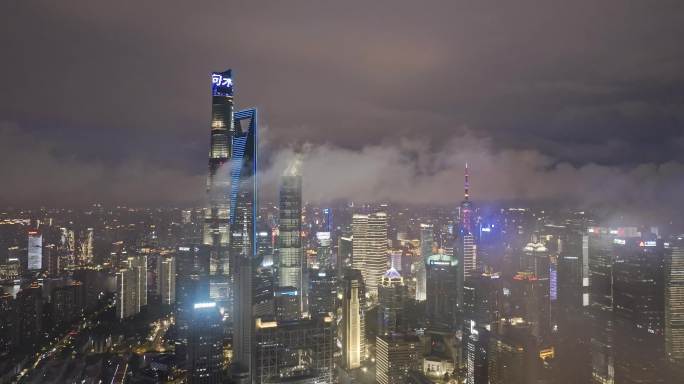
580, 102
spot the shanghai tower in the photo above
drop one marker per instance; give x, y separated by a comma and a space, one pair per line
231, 212
216, 214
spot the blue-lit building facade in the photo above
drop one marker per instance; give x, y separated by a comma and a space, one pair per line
230, 216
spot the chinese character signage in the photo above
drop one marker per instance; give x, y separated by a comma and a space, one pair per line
222, 83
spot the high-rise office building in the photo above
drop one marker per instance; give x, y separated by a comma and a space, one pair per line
243, 246
482, 299
513, 356
299, 351
216, 232
535, 260
674, 303
322, 292
167, 279
292, 264
35, 250
530, 299
205, 345
353, 320
426, 250
573, 339
68, 245
94, 284
324, 251
397, 354
392, 297
265, 247
638, 310
476, 354
51, 260
442, 284
287, 303
264, 300
573, 272
127, 289
139, 265
131, 287
85, 247
7, 323
67, 303
427, 240
29, 306
598, 244
370, 248
192, 285
344, 254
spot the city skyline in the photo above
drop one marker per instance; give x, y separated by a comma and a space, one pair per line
439, 193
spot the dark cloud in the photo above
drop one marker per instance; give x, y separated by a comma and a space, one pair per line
576, 92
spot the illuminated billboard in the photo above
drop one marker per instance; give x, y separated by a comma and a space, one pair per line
222, 83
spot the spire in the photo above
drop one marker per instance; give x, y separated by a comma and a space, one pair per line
466, 185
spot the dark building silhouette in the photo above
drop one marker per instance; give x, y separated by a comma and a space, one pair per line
205, 345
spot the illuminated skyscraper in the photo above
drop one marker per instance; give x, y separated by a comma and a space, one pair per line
426, 243
292, 262
466, 249
243, 244
85, 249
35, 250
674, 304
344, 254
392, 297
322, 292
51, 260
167, 280
370, 248
139, 264
131, 287
467, 252
353, 320
231, 212
466, 209
217, 211
324, 252
573, 272
396, 355
68, 245
299, 351
476, 354
126, 293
